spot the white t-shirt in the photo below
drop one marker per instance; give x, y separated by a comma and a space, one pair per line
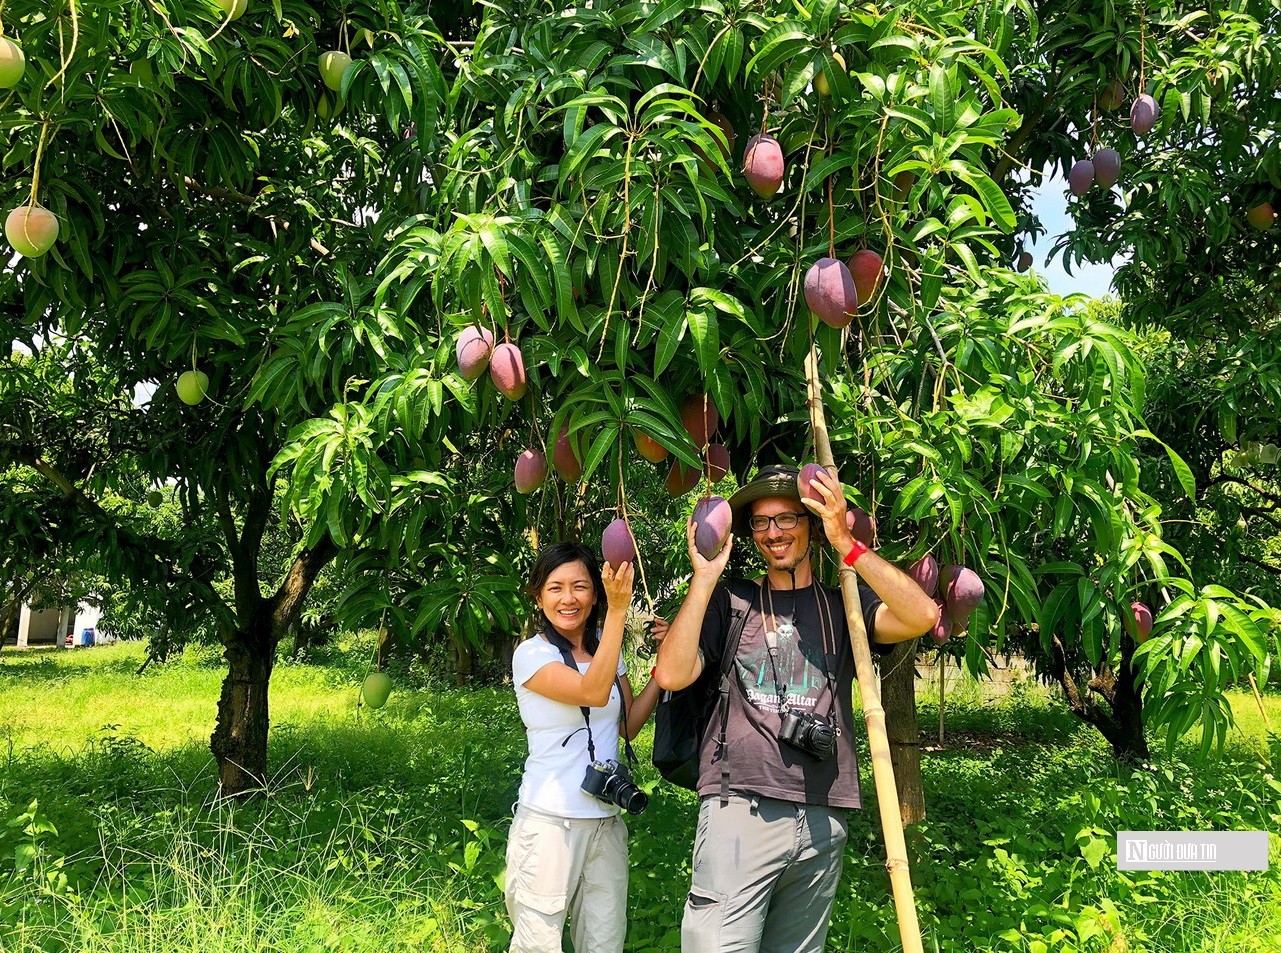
554, 773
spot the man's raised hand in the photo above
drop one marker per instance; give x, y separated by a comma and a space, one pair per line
831, 510
706, 568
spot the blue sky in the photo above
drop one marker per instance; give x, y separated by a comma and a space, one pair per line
1050, 206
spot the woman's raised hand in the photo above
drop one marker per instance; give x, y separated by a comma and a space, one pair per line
618, 585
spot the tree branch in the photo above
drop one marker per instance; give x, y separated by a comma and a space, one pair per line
1081, 705
216, 191
219, 192
146, 560
1026, 128
286, 604
226, 522
1265, 515
1104, 683
1267, 567
1227, 478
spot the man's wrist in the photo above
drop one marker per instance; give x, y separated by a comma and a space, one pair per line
854, 550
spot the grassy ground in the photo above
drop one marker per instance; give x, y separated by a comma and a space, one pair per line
385, 830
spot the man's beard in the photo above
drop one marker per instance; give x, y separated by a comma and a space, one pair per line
785, 565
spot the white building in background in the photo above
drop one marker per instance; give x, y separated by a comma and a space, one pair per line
68, 626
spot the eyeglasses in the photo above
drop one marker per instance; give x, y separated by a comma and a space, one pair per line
783, 521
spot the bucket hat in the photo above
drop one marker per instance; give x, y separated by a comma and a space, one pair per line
776, 480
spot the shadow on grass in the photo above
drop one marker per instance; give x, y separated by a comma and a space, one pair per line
42, 667
457, 752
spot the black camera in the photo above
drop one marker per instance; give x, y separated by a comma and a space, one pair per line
807, 732
612, 783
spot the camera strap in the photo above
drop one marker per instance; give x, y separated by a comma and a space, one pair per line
567, 656
829, 662
836, 657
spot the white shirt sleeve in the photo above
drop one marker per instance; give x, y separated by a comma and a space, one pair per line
529, 658
532, 654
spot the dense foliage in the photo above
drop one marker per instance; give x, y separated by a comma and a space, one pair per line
566, 178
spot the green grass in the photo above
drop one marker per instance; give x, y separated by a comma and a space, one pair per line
385, 830
164, 707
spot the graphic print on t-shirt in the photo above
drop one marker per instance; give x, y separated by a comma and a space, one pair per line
802, 678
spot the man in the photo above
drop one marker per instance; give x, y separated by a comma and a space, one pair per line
771, 822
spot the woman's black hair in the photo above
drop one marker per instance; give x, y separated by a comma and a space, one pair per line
551, 559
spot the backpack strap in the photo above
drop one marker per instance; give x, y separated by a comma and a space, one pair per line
741, 592
567, 656
628, 751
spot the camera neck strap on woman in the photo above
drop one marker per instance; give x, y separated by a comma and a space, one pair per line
566, 650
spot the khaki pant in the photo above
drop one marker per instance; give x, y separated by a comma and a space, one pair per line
558, 866
765, 875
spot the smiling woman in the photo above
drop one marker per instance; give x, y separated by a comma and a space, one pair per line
567, 850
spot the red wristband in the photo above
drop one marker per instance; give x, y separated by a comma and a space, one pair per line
652, 671
857, 550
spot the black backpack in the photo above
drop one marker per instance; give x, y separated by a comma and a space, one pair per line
682, 717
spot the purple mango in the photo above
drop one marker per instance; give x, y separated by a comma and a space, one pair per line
712, 519
531, 470
1107, 167
617, 544
1144, 114
830, 292
1081, 177
926, 573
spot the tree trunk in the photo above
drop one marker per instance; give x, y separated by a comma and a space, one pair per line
9, 620
1120, 721
19, 589
506, 649
239, 741
302, 638
898, 696
464, 665
1129, 744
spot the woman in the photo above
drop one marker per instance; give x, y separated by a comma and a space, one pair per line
567, 851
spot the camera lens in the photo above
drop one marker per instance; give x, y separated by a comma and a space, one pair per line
634, 801
824, 739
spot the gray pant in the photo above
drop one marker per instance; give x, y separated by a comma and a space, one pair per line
765, 875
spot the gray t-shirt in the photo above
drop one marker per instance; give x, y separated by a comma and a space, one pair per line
805, 668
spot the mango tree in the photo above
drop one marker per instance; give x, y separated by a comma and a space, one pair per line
1197, 173
568, 184
584, 209
205, 205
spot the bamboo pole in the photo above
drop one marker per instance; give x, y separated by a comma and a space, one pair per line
869, 693
942, 663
